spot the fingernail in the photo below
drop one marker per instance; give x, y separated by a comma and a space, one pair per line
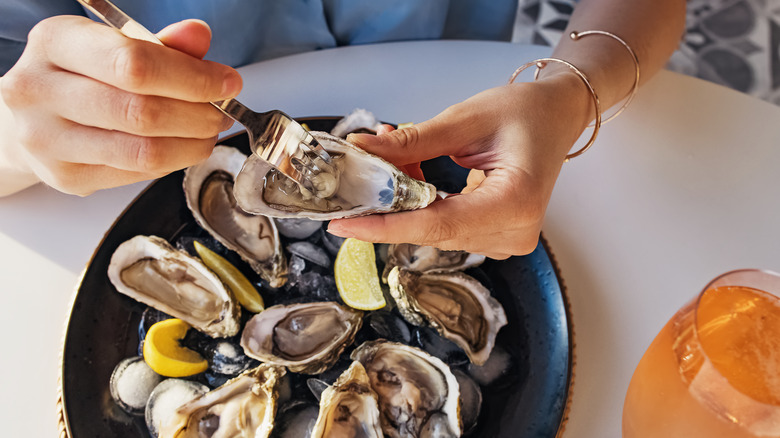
338, 230
363, 138
231, 85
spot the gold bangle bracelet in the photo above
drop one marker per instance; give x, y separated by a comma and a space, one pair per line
577, 35
540, 63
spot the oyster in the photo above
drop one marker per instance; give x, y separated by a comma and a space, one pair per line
349, 408
458, 306
367, 184
242, 407
412, 387
428, 259
358, 121
306, 337
208, 188
148, 269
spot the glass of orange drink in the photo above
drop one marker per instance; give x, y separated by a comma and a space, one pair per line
714, 369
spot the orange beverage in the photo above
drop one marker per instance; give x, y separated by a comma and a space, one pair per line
714, 370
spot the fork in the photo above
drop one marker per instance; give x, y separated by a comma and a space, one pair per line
273, 136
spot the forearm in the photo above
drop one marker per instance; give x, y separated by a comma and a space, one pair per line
652, 28
14, 175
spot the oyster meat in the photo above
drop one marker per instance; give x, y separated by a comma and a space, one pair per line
208, 189
428, 259
367, 184
243, 407
148, 269
349, 408
305, 337
458, 306
413, 387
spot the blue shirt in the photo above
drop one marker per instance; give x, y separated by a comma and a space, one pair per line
246, 31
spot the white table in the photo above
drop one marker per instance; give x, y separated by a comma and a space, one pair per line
682, 187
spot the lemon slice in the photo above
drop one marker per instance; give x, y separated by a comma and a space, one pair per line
165, 355
356, 276
242, 288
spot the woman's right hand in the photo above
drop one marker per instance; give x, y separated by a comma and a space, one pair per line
94, 109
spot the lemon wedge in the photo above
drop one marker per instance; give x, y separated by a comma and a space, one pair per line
356, 275
242, 288
165, 355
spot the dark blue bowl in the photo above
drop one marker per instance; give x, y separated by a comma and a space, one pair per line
530, 401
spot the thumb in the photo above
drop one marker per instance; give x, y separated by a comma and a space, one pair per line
413, 144
192, 37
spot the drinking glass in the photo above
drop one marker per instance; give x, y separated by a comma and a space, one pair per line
714, 369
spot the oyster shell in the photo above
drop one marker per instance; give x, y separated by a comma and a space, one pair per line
458, 306
208, 189
148, 269
428, 259
305, 337
368, 184
242, 407
412, 387
358, 121
349, 408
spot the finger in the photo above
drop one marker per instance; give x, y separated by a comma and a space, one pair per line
93, 103
84, 179
65, 141
473, 180
414, 171
384, 129
459, 222
419, 142
79, 45
444, 220
497, 245
192, 37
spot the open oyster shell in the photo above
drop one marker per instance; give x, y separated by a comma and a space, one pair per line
413, 387
368, 184
208, 189
148, 269
427, 259
349, 408
305, 337
242, 407
458, 306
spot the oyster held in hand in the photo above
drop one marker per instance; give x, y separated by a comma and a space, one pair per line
367, 184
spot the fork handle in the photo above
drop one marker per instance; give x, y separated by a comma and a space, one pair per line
116, 18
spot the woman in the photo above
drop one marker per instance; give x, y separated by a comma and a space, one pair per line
84, 108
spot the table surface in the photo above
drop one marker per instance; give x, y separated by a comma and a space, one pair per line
682, 187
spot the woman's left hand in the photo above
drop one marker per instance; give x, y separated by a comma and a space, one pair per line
514, 138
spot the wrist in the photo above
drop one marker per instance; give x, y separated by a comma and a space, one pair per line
15, 174
572, 94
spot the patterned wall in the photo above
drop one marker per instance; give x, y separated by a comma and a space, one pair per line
735, 43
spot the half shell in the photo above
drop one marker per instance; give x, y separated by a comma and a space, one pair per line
306, 337
427, 259
412, 387
458, 306
208, 188
148, 269
242, 407
368, 184
349, 408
